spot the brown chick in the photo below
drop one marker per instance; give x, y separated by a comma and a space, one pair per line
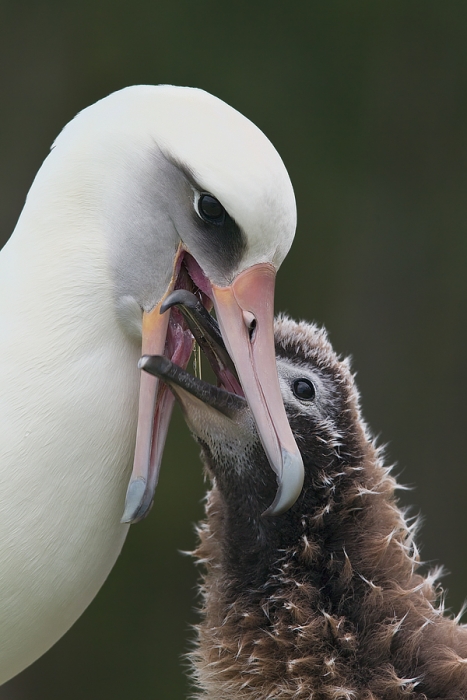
326, 601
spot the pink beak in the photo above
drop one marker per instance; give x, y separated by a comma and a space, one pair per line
245, 312
154, 413
248, 301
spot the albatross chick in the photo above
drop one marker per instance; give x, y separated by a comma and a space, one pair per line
325, 601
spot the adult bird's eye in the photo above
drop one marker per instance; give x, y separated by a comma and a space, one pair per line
303, 389
210, 209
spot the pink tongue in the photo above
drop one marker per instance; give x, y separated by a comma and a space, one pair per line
198, 277
179, 343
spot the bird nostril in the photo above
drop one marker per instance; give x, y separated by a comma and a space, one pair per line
250, 323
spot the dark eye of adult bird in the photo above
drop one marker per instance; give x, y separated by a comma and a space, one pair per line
303, 389
211, 210
327, 600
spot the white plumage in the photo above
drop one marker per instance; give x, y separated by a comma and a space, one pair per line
94, 247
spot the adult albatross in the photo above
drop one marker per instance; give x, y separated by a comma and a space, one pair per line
149, 190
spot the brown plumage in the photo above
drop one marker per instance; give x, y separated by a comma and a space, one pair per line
324, 602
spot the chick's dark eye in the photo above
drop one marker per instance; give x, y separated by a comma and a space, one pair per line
210, 209
303, 389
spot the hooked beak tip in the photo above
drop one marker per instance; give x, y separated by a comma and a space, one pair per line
290, 483
143, 361
133, 500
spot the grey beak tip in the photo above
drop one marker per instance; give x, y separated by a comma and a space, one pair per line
133, 500
143, 361
179, 296
290, 484
157, 365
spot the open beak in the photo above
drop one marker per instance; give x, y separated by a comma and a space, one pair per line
245, 312
155, 402
217, 401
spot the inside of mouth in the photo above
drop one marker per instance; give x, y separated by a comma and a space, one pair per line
180, 341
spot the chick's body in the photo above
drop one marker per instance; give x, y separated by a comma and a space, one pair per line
325, 601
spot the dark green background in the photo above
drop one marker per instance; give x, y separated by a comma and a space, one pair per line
367, 104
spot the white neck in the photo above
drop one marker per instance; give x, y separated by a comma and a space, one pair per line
68, 409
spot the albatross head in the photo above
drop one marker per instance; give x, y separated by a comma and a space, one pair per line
194, 196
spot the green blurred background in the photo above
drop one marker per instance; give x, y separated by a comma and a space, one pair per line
367, 103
